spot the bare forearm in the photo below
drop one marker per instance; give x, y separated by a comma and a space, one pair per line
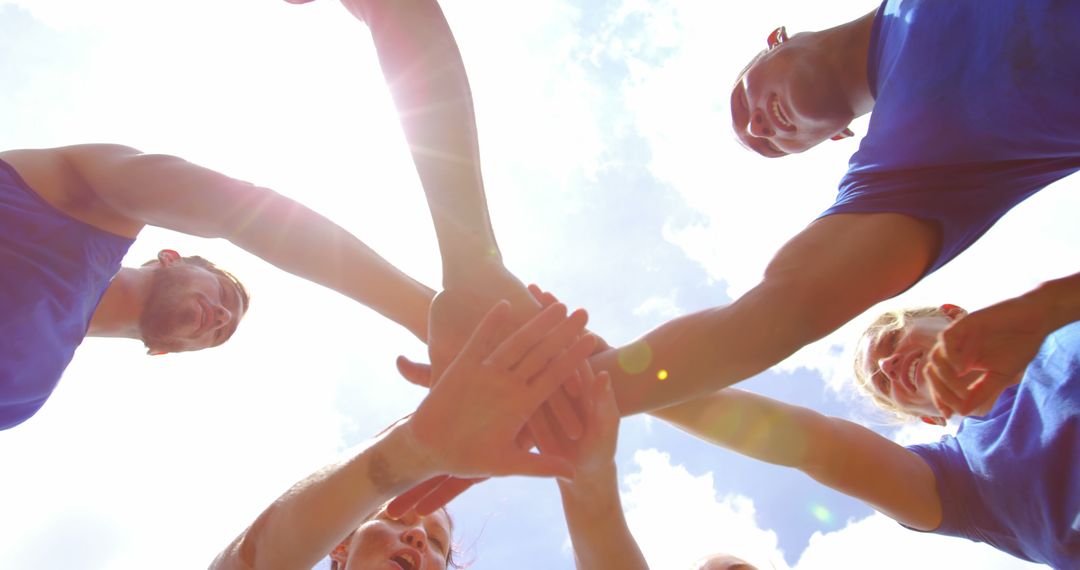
306, 244
1059, 299
703, 352
310, 519
838, 454
424, 70
596, 523
752, 425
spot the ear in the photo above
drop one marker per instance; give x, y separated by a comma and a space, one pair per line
167, 257
952, 312
844, 134
340, 554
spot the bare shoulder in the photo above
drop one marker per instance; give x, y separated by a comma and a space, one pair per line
58, 176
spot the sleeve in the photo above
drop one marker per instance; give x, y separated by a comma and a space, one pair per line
949, 466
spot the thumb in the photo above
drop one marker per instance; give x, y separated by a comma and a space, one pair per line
405, 502
415, 372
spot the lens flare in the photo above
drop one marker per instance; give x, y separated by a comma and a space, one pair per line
821, 513
635, 358
661, 375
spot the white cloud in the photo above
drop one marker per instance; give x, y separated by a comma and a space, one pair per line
662, 307
879, 542
677, 516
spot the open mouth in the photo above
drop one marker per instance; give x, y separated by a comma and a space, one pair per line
779, 117
406, 560
912, 374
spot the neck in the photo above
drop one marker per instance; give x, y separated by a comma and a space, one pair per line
849, 45
118, 313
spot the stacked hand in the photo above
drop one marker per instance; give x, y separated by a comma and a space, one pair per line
470, 422
452, 312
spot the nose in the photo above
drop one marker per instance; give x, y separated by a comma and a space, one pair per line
889, 365
759, 125
415, 537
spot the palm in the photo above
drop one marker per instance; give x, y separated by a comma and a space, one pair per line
456, 310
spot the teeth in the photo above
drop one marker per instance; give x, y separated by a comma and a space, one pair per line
405, 560
779, 114
911, 373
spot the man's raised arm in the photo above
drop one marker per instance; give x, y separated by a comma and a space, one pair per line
836, 268
169, 192
426, 76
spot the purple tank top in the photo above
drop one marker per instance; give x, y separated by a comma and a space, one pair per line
53, 271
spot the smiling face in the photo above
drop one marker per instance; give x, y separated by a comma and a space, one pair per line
787, 100
412, 542
892, 353
189, 307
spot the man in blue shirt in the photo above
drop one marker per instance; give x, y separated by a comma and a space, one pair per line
67, 218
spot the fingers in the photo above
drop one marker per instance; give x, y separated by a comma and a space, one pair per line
953, 347
564, 414
544, 298
446, 492
551, 345
539, 465
540, 428
406, 501
415, 372
552, 376
547, 334
948, 389
485, 336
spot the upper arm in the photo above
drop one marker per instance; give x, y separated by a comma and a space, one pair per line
842, 264
167, 191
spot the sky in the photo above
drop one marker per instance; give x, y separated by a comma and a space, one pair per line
612, 178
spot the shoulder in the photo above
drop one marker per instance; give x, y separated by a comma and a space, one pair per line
60, 176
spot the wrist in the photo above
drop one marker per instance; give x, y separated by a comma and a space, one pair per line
595, 485
400, 460
1058, 302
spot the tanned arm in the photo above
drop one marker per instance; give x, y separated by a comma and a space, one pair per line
830, 272
837, 453
170, 192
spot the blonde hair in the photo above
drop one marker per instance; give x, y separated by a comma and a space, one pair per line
885, 323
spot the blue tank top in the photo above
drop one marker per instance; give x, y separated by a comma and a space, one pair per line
977, 107
53, 271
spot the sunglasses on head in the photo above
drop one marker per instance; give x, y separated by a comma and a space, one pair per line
777, 37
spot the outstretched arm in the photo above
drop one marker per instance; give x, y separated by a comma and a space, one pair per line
467, 426
830, 272
591, 503
837, 453
998, 342
426, 76
173, 193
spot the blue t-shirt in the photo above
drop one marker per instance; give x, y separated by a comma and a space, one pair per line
977, 107
53, 271
1011, 478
